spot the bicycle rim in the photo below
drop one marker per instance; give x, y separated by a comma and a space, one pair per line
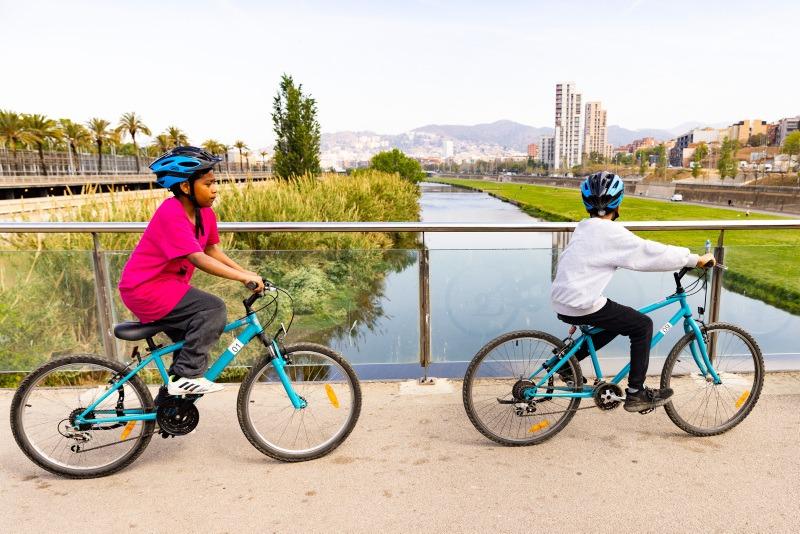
699, 406
44, 427
489, 382
333, 401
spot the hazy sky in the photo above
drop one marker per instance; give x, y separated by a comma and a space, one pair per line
212, 68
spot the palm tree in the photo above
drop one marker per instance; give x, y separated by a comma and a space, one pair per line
240, 145
76, 135
212, 145
176, 136
162, 143
131, 124
263, 154
100, 134
42, 130
13, 131
225, 149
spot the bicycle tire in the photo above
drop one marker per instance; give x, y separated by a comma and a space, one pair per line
752, 394
253, 435
24, 443
475, 418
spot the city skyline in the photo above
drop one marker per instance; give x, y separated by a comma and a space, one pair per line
388, 68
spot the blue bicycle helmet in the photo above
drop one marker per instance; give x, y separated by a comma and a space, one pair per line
602, 192
182, 163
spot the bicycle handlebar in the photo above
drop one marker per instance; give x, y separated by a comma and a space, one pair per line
268, 286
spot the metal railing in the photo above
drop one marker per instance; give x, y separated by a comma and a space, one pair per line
560, 231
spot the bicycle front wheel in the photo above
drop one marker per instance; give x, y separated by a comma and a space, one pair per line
330, 388
698, 405
498, 375
43, 415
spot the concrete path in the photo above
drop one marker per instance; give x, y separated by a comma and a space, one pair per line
415, 464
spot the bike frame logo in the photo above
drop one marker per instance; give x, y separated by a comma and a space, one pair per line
666, 328
236, 346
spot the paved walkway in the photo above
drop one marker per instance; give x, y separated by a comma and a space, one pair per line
415, 464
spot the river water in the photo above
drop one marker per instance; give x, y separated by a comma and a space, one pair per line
485, 284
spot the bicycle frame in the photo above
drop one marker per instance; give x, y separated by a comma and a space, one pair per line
697, 347
252, 329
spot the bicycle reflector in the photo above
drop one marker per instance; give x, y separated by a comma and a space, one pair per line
332, 395
539, 426
742, 398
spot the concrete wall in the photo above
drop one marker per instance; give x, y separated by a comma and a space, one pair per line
785, 199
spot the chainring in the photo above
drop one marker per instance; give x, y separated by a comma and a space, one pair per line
604, 396
177, 417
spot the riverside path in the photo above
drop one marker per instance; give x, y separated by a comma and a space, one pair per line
414, 463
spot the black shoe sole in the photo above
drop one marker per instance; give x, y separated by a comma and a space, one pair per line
644, 406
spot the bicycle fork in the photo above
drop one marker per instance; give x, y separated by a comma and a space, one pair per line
279, 362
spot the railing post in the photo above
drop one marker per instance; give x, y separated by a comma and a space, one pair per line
716, 280
424, 310
716, 292
103, 300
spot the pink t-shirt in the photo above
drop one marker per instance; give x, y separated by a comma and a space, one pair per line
157, 274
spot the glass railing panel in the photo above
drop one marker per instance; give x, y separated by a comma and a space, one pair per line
477, 295
47, 307
362, 303
761, 293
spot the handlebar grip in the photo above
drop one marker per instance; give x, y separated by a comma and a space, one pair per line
251, 286
709, 264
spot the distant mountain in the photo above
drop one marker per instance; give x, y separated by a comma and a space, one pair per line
504, 133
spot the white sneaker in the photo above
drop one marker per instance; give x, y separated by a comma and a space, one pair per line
193, 386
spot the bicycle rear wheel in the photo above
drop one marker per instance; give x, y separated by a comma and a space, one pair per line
701, 407
497, 370
324, 379
44, 407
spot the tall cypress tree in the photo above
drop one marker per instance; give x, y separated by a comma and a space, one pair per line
297, 132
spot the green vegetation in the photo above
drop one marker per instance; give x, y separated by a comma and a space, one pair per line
762, 264
700, 154
47, 280
132, 124
726, 165
394, 161
297, 132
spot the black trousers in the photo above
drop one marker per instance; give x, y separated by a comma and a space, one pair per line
616, 319
198, 319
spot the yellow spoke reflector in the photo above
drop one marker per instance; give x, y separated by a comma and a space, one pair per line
743, 398
127, 430
332, 395
539, 426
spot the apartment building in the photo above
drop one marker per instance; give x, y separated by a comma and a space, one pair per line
547, 149
743, 130
695, 135
568, 137
785, 127
595, 137
533, 151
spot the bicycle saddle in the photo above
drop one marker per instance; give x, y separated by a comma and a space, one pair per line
134, 331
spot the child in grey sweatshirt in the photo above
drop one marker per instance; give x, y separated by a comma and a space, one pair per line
598, 248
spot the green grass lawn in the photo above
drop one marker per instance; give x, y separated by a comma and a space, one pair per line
763, 264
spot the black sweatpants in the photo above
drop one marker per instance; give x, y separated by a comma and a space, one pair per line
198, 319
616, 319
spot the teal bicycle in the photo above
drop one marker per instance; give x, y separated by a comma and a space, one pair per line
514, 394
84, 416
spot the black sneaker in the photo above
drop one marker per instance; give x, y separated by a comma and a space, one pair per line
646, 399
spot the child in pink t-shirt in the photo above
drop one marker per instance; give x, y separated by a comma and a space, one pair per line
183, 235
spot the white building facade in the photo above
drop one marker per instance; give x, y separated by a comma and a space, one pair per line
595, 133
547, 149
568, 127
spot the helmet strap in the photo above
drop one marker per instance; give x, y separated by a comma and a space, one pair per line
198, 217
